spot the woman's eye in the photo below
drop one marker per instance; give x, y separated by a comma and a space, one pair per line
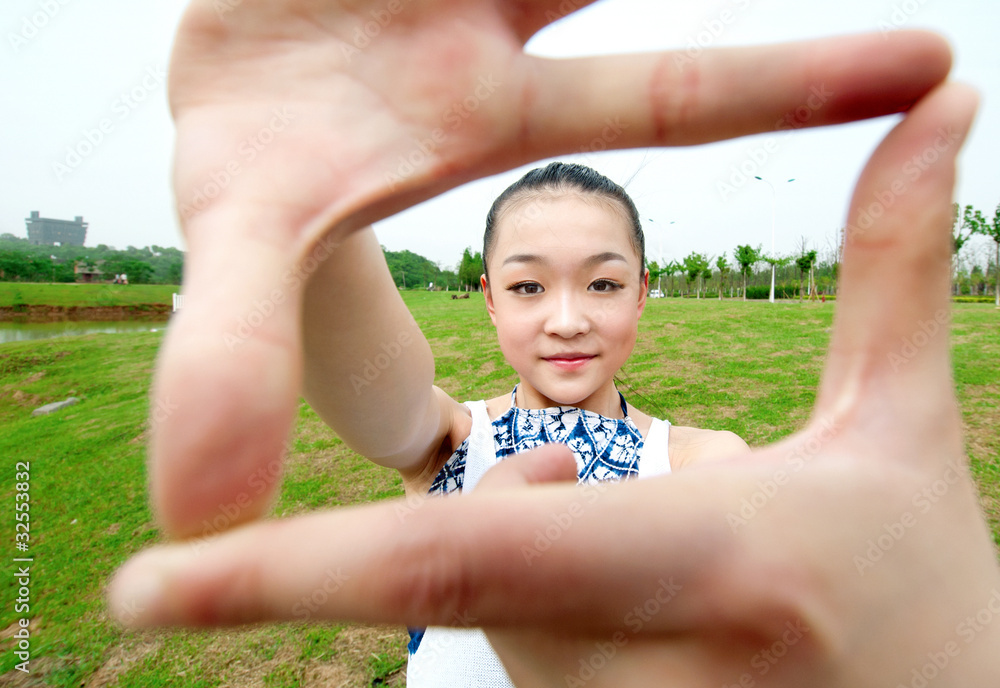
526, 288
605, 285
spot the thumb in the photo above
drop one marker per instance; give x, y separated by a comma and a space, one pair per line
546, 464
228, 376
890, 349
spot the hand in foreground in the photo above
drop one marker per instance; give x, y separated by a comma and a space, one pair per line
295, 126
852, 554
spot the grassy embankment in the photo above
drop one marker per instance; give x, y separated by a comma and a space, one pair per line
751, 368
86, 295
35, 302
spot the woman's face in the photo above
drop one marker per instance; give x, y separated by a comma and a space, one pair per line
565, 296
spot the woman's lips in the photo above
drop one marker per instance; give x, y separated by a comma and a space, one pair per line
569, 362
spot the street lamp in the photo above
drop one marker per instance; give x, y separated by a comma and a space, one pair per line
774, 204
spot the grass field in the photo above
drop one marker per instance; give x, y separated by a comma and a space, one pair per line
93, 295
751, 368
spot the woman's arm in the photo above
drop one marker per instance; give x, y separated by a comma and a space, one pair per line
369, 371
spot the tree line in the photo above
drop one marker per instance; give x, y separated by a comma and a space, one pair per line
801, 275
975, 275
746, 271
804, 274
413, 271
22, 261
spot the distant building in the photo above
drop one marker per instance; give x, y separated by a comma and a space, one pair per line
87, 273
43, 230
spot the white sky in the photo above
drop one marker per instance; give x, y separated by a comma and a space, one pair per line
61, 79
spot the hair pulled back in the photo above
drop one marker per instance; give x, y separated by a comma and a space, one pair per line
557, 178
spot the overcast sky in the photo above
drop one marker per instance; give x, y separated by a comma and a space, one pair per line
66, 65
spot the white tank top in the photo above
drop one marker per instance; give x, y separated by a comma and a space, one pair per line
463, 657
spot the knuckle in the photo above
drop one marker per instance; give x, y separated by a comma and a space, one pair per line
433, 582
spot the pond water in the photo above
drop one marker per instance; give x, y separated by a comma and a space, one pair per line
19, 332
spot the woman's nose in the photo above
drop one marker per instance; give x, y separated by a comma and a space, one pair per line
568, 316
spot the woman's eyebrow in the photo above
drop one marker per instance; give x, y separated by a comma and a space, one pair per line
605, 257
595, 259
524, 258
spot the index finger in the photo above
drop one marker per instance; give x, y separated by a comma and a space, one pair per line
672, 98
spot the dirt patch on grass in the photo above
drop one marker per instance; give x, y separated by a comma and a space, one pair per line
311, 431
40, 667
123, 658
25, 400
327, 675
265, 656
729, 412
357, 646
248, 667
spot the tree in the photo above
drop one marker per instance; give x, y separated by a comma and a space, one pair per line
722, 264
991, 229
138, 271
470, 269
775, 261
694, 266
655, 272
706, 275
805, 263
837, 255
968, 221
175, 273
746, 257
672, 268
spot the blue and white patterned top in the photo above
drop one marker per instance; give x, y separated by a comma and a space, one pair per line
606, 449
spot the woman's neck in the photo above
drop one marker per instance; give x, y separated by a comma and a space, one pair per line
605, 401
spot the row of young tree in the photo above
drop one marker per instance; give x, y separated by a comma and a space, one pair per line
22, 261
974, 274
747, 272
804, 275
697, 273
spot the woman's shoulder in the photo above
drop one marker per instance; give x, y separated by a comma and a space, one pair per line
689, 446
497, 406
642, 421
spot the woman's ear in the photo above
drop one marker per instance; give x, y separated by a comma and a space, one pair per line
488, 293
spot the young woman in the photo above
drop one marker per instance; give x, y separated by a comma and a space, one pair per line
565, 285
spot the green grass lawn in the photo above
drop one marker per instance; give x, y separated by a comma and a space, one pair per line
38, 294
751, 368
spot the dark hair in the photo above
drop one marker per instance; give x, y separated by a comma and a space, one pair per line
562, 177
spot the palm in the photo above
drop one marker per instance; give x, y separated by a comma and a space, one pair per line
284, 131
417, 102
